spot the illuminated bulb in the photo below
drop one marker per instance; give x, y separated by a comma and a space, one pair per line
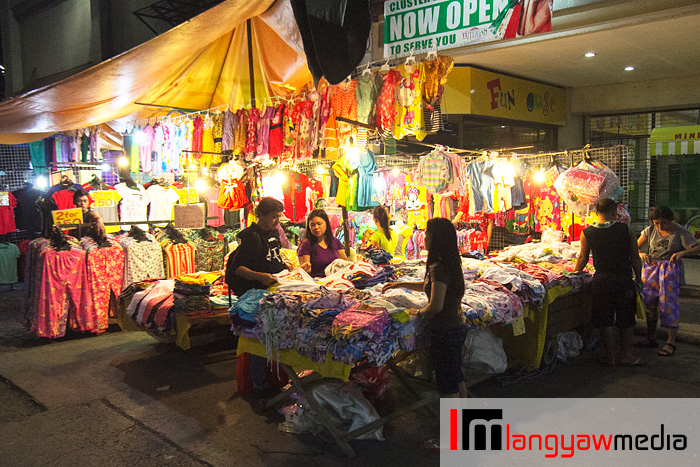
105, 167
320, 170
193, 166
200, 185
139, 136
123, 161
589, 54
395, 172
279, 178
41, 183
539, 176
352, 153
629, 68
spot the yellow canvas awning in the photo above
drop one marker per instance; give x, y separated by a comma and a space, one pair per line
197, 65
675, 141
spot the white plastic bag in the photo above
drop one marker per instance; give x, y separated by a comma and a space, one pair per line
569, 345
345, 405
483, 352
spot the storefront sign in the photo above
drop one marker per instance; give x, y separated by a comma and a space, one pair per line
67, 216
189, 216
420, 26
472, 91
675, 141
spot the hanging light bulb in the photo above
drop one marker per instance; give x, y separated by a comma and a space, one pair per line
139, 136
279, 178
41, 183
123, 161
539, 176
395, 172
320, 170
200, 185
105, 167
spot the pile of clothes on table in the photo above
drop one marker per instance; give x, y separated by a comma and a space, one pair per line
325, 325
153, 304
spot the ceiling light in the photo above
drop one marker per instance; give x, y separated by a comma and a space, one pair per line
589, 54
629, 68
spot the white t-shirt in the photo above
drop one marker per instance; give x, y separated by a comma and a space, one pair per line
162, 200
134, 204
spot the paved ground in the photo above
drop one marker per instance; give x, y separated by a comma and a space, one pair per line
126, 399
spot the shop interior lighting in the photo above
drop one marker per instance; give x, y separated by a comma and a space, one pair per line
589, 54
200, 185
123, 161
105, 167
139, 136
629, 68
320, 170
395, 172
539, 176
41, 183
279, 178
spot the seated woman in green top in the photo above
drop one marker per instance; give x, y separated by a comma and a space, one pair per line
383, 238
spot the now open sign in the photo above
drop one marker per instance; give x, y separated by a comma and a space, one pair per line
67, 216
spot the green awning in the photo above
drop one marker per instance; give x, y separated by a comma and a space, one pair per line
675, 141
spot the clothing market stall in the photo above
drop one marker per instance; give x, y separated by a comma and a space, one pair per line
185, 182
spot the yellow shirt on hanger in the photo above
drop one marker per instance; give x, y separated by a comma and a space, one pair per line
409, 104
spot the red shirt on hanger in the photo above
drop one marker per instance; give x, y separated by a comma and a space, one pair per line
7, 214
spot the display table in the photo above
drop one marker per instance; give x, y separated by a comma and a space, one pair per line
292, 363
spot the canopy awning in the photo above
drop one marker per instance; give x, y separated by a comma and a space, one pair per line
675, 141
197, 65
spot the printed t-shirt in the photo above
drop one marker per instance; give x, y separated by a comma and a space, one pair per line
7, 217
134, 204
320, 257
664, 247
162, 200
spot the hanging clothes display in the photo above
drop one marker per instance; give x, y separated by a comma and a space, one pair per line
8, 203
409, 105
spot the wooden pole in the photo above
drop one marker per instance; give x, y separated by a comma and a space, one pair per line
346, 231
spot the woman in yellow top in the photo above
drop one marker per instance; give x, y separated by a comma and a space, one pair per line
383, 238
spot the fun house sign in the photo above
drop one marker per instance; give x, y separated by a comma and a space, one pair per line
419, 26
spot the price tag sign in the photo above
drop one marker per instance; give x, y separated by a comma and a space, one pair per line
103, 199
67, 216
4, 198
189, 216
188, 195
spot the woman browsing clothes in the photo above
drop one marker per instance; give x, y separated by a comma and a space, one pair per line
444, 286
614, 292
320, 248
667, 243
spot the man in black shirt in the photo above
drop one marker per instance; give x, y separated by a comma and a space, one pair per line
252, 266
615, 258
257, 257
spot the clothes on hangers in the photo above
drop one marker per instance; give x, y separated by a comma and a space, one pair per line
27, 213
9, 254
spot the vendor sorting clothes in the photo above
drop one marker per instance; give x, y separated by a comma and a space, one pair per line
97, 227
320, 247
253, 266
258, 256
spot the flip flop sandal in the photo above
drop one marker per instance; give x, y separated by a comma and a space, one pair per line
646, 344
665, 353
